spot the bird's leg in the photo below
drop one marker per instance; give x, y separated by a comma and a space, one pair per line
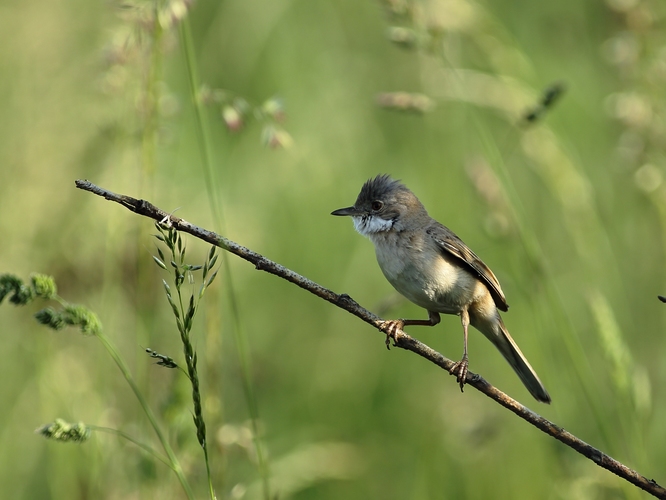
460, 368
393, 326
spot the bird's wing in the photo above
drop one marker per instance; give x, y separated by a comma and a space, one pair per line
449, 242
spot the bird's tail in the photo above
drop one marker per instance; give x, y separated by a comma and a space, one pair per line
512, 353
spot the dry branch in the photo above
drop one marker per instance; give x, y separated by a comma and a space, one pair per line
403, 341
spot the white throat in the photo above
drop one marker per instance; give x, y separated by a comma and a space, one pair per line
369, 224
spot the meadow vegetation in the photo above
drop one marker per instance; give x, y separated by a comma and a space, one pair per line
534, 130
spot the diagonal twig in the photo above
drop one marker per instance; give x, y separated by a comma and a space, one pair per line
403, 341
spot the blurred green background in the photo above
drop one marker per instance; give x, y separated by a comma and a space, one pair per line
569, 212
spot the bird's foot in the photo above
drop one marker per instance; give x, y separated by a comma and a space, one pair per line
393, 329
460, 371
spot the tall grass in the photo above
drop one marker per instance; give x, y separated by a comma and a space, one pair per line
154, 99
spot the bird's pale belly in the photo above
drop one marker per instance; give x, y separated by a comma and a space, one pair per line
431, 281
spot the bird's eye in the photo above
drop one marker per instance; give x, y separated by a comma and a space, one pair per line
376, 205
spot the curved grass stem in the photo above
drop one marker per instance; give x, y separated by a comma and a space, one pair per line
173, 460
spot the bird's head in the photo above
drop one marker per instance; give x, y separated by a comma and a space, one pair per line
384, 204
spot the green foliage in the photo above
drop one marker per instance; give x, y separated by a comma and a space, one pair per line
569, 210
184, 316
44, 287
70, 315
65, 432
20, 293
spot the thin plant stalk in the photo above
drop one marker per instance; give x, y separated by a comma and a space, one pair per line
203, 138
184, 315
151, 99
175, 464
129, 438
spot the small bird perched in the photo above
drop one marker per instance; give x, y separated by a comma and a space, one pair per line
428, 264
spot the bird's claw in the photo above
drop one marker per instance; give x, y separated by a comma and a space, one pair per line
392, 328
460, 371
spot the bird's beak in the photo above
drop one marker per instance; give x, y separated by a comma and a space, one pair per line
347, 211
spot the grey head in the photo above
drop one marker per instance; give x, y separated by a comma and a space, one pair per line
384, 204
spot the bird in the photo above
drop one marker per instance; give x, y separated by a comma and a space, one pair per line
431, 266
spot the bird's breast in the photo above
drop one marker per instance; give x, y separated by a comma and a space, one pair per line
424, 274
